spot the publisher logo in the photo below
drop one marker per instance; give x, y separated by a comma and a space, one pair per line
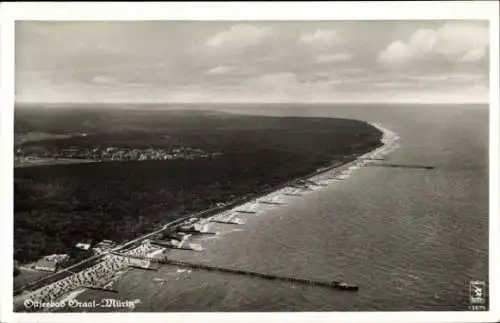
477, 292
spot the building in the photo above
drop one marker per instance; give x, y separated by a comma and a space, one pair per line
68, 153
83, 245
142, 263
51, 262
103, 246
46, 265
106, 244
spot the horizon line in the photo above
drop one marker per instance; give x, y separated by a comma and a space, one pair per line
243, 103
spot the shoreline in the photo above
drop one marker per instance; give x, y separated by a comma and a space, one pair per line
321, 177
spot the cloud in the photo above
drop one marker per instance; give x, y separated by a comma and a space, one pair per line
137, 84
333, 58
240, 36
240, 61
474, 55
103, 80
455, 42
221, 70
396, 54
321, 37
449, 78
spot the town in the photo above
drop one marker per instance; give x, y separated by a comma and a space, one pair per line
113, 154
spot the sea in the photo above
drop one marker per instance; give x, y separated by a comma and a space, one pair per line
411, 239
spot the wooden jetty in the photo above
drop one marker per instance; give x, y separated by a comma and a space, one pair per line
311, 282
308, 181
246, 212
270, 203
403, 166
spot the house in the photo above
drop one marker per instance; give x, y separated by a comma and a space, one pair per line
141, 263
46, 265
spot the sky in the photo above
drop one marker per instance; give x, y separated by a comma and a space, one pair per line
250, 62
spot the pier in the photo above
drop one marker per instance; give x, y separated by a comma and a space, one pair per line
270, 203
310, 282
246, 212
307, 181
403, 166
198, 232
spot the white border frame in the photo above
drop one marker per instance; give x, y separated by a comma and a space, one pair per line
10, 12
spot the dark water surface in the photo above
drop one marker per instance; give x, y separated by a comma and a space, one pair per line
412, 239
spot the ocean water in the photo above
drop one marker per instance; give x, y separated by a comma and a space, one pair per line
411, 239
